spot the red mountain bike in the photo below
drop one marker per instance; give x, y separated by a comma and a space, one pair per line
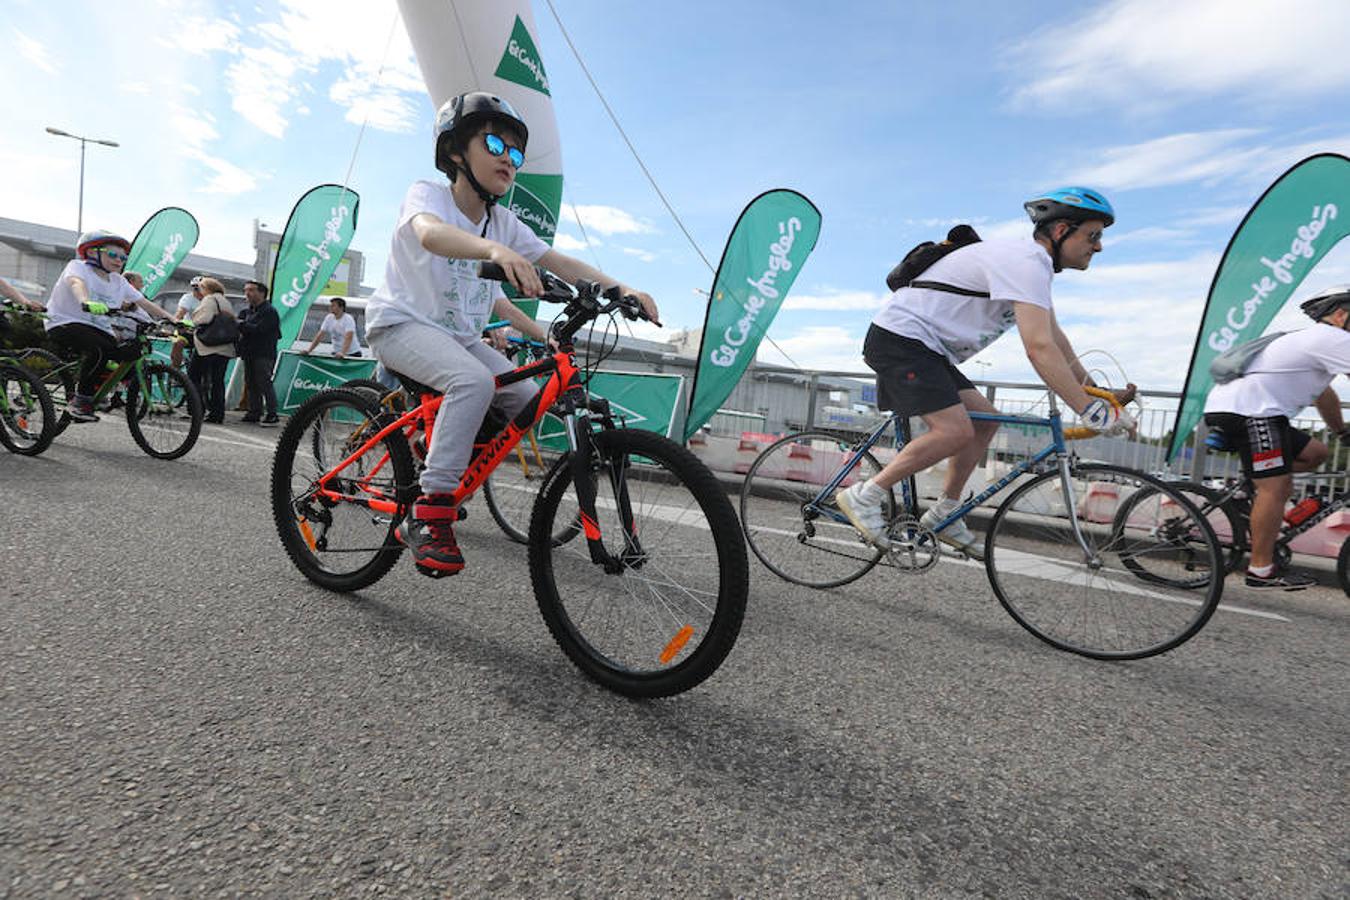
646, 597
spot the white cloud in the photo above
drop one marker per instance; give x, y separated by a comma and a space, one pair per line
35, 52
829, 347
200, 36
834, 300
568, 244
1210, 157
1150, 54
606, 220
261, 87
644, 255
196, 134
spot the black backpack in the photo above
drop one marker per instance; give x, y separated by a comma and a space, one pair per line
922, 258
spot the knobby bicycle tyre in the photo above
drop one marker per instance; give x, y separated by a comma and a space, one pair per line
27, 414
1104, 608
814, 548
667, 620
340, 545
167, 422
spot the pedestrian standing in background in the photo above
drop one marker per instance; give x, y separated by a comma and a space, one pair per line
259, 332
209, 362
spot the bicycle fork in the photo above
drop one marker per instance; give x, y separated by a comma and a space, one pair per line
1090, 555
578, 426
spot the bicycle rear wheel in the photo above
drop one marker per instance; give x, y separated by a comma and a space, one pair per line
58, 376
165, 418
1343, 567
1228, 525
27, 417
1154, 578
336, 539
799, 536
511, 489
669, 616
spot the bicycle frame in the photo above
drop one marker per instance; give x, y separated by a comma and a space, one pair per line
565, 386
1056, 448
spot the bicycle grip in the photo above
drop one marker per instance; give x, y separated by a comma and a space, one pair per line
1080, 432
492, 272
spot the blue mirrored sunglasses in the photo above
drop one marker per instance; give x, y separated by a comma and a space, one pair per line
496, 146
115, 254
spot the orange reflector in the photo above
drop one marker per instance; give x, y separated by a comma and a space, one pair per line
308, 533
677, 643
23, 423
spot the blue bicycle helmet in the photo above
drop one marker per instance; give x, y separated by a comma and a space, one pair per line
1074, 205
1077, 204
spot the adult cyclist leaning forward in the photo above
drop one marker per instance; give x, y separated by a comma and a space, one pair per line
426, 320
969, 298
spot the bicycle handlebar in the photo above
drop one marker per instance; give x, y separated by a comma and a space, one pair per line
1080, 432
558, 291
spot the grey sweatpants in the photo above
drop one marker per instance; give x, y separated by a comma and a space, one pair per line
465, 374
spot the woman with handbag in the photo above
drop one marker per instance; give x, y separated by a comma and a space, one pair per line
217, 330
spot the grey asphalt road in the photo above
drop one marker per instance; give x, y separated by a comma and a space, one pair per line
183, 714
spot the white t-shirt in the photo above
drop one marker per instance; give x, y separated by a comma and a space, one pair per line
63, 308
958, 326
188, 303
337, 329
422, 287
1287, 375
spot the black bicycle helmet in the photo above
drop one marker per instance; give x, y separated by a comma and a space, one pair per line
458, 118
1327, 302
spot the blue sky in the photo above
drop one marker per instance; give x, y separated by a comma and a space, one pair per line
896, 119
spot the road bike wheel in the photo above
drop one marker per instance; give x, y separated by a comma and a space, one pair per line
668, 618
27, 417
58, 376
797, 540
1228, 525
511, 489
1105, 608
166, 418
340, 544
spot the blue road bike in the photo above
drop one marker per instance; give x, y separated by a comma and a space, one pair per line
1095, 559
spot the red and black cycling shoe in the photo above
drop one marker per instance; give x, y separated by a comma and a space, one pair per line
427, 532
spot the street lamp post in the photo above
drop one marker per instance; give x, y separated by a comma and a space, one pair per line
79, 226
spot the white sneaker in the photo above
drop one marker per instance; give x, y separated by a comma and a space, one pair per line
866, 517
956, 534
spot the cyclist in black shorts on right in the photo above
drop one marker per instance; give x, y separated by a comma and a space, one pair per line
1293, 371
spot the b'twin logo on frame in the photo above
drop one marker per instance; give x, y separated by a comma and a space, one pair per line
520, 62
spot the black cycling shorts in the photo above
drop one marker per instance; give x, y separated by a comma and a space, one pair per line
912, 380
1267, 446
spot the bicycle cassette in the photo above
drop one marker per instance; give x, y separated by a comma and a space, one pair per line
914, 549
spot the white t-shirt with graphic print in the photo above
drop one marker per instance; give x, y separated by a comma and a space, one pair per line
1287, 375
63, 308
958, 326
420, 286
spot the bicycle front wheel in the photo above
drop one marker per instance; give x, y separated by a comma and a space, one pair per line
799, 535
27, 416
668, 616
1145, 578
166, 417
334, 537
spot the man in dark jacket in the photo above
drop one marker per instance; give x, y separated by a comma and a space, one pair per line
259, 331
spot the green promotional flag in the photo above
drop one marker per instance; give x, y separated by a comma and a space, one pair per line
772, 238
163, 242
317, 234
1293, 225
298, 377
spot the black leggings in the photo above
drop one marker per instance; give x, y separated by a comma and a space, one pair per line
97, 347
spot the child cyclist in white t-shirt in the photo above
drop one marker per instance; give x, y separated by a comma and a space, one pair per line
956, 308
426, 320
